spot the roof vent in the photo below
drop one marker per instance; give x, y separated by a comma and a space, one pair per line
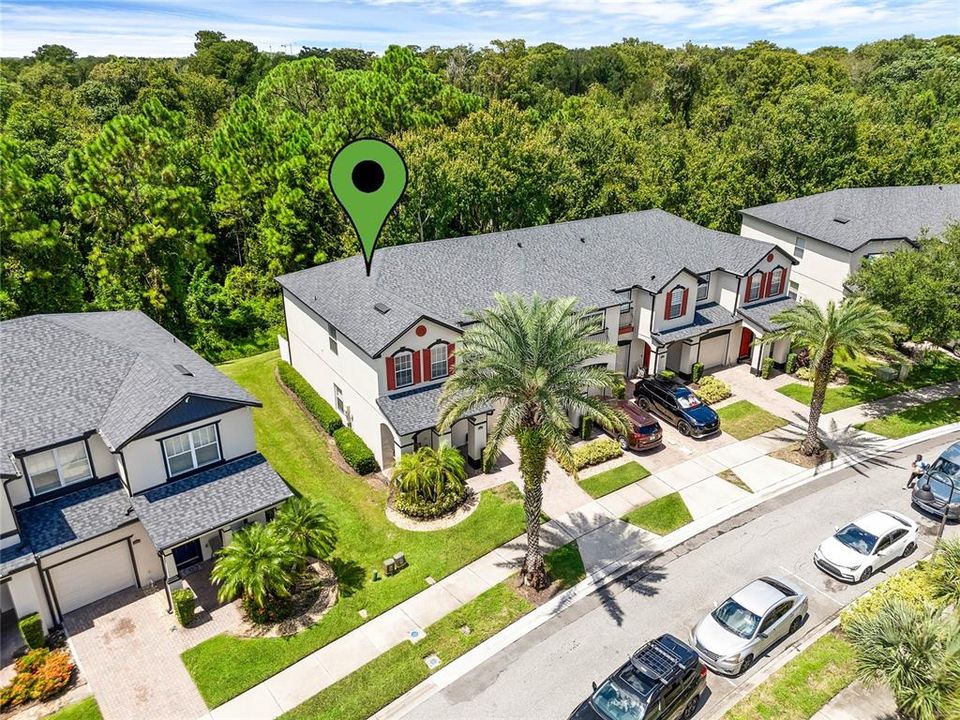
519, 245
583, 240
842, 219
182, 370
381, 308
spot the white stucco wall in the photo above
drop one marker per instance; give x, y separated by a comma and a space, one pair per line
684, 280
26, 593
728, 288
770, 261
7, 523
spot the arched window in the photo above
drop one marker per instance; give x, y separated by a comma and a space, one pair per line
776, 281
754, 286
439, 367
403, 368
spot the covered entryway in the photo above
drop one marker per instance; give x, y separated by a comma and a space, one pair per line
92, 576
746, 340
713, 350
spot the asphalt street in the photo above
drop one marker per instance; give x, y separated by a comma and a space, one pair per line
549, 671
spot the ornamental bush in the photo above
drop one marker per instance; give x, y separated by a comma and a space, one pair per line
696, 372
41, 674
586, 427
766, 368
355, 451
913, 586
52, 676
713, 390
791, 364
667, 375
31, 661
184, 604
328, 418
413, 505
31, 628
594, 453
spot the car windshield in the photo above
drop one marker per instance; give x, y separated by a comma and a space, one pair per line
616, 703
946, 467
688, 402
737, 619
856, 538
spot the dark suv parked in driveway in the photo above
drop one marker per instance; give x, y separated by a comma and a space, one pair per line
663, 680
678, 405
645, 431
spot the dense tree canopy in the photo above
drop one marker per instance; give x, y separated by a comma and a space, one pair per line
182, 186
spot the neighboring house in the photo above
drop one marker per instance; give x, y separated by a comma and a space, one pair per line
667, 294
125, 459
832, 233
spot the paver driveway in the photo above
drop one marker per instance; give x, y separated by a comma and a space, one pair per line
128, 648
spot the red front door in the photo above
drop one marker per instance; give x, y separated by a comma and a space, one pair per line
746, 338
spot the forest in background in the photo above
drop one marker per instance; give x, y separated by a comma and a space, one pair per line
183, 186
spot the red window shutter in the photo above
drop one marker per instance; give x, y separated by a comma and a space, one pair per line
683, 303
416, 367
666, 307
426, 365
746, 295
391, 375
451, 357
769, 282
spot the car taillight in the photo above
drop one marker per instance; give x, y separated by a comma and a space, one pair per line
703, 670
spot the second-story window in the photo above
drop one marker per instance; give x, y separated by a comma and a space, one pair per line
799, 245
334, 343
438, 360
776, 282
192, 449
594, 322
703, 286
53, 469
676, 303
403, 368
755, 285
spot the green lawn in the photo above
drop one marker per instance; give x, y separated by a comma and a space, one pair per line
609, 480
379, 682
743, 420
802, 686
224, 666
86, 709
662, 516
915, 419
566, 565
864, 386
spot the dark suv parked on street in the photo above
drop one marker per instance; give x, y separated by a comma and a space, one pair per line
678, 405
663, 680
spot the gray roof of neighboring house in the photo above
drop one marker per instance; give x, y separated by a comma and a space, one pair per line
445, 279
417, 410
184, 509
706, 318
761, 314
66, 375
16, 557
877, 213
56, 524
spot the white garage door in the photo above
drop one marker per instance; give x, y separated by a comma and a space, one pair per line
713, 351
81, 581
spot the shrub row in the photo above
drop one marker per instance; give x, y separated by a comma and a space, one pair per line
412, 505
355, 451
41, 674
912, 585
712, 390
328, 418
594, 453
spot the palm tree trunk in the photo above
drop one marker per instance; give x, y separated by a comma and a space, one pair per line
533, 463
821, 376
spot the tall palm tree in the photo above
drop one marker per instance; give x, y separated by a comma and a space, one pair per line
307, 526
430, 473
529, 357
258, 565
915, 651
854, 326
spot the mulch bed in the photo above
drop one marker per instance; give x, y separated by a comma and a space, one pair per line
539, 597
792, 454
314, 594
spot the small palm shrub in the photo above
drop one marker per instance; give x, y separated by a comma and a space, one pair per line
945, 573
258, 565
430, 482
713, 390
307, 526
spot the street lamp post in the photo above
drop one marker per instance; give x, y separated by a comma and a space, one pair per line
946, 510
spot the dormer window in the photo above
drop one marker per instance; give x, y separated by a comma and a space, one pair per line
192, 449
776, 281
676, 304
403, 369
703, 287
754, 286
438, 360
53, 469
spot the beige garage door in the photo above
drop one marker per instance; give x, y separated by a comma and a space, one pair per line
713, 351
88, 578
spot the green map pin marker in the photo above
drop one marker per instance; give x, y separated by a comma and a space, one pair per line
367, 177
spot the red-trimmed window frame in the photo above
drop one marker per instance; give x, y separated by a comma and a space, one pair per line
668, 307
754, 280
781, 283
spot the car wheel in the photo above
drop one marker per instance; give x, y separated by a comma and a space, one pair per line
691, 708
908, 550
643, 403
746, 664
795, 625
624, 445
683, 428
866, 574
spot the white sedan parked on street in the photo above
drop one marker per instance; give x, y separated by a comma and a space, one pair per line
861, 548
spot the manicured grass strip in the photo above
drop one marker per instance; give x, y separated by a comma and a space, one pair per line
864, 385
224, 666
662, 516
915, 419
743, 420
609, 480
802, 686
86, 709
386, 678
565, 564
731, 477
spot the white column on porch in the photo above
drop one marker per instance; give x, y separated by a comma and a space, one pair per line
476, 439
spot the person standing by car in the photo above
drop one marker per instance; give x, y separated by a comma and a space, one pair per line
917, 469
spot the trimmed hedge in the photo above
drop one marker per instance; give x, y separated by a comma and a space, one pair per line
413, 506
184, 604
594, 453
31, 628
712, 390
766, 368
791, 366
355, 451
696, 372
328, 418
586, 427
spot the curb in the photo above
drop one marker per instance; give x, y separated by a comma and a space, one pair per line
599, 579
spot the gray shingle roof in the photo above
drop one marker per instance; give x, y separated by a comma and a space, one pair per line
182, 510
706, 318
760, 315
69, 519
417, 410
66, 375
444, 279
15, 557
872, 213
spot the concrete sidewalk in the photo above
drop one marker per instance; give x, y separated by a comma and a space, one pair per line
858, 702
